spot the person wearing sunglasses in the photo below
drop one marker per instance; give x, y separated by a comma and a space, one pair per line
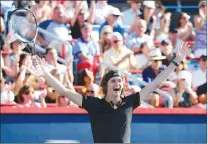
200, 22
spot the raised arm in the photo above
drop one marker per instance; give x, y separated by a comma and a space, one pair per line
56, 84
182, 51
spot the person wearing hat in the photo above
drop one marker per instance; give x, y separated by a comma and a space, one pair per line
200, 22
167, 50
112, 20
111, 116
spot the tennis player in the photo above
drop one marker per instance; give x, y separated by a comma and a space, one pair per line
111, 116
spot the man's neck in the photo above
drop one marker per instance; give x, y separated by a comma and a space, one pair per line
113, 99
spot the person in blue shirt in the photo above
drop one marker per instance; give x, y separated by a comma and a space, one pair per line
112, 20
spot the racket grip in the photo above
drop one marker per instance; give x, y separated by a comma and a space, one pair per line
37, 67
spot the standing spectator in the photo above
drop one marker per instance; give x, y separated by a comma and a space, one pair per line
112, 20
201, 30
185, 30
101, 11
134, 40
42, 11
130, 14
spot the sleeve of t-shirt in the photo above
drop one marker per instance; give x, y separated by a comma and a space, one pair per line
134, 100
89, 103
76, 49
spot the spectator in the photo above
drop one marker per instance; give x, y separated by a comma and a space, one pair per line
56, 26
134, 40
130, 14
167, 50
105, 38
63, 101
7, 95
118, 55
143, 56
85, 48
112, 18
150, 73
101, 11
186, 97
26, 98
80, 17
200, 22
2, 28
42, 11
200, 75
162, 32
185, 30
202, 94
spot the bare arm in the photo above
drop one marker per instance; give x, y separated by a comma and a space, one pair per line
91, 18
58, 86
181, 52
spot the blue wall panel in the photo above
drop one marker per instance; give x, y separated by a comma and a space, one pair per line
145, 128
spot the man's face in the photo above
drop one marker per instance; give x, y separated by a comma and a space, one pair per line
115, 86
86, 31
116, 42
166, 49
58, 14
141, 28
52, 55
156, 64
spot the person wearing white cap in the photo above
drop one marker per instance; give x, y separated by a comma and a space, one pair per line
186, 97
111, 115
112, 20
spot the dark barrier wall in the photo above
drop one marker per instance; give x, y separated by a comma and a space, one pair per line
148, 125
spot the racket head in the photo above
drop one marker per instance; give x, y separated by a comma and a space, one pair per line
23, 25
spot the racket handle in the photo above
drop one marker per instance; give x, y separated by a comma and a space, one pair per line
37, 66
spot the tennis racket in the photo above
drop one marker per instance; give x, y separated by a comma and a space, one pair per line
23, 25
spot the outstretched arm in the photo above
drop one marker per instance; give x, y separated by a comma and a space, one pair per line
181, 53
57, 85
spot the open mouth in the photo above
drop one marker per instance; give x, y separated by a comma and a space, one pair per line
116, 89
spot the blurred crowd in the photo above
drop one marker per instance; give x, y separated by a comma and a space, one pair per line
141, 40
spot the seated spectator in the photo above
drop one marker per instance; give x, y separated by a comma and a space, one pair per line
185, 97
167, 50
130, 14
150, 73
200, 22
134, 40
11, 60
162, 32
85, 48
143, 56
42, 11
26, 98
185, 30
57, 26
27, 74
2, 28
118, 55
112, 20
92, 90
7, 95
87, 79
105, 38
202, 94
63, 101
199, 75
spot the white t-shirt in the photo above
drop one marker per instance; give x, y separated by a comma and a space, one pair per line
7, 97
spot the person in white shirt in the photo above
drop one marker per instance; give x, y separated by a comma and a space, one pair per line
134, 40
